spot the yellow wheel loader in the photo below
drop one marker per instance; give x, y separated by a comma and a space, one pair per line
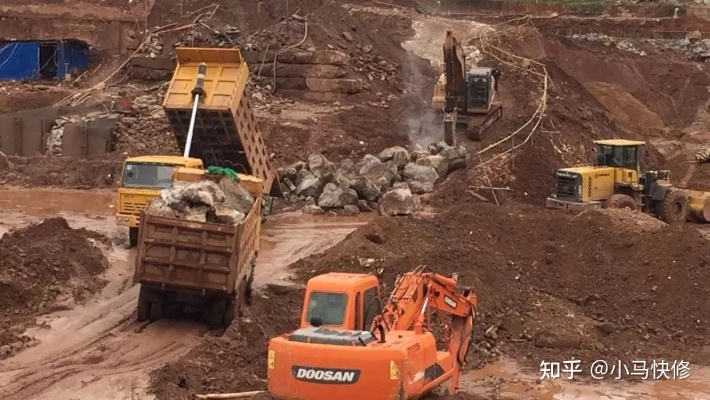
615, 181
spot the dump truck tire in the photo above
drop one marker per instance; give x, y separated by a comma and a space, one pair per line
674, 207
215, 316
133, 237
621, 201
143, 310
229, 314
241, 299
156, 310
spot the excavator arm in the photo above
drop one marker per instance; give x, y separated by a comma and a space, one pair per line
418, 292
455, 89
454, 73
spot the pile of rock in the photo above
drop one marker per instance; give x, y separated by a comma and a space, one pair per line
145, 128
385, 182
204, 201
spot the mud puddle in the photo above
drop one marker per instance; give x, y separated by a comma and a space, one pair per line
98, 350
517, 383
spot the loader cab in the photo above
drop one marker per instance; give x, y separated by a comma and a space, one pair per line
478, 88
618, 153
341, 300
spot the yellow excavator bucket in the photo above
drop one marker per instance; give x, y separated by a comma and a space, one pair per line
699, 202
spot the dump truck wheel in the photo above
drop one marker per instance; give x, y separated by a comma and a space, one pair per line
156, 310
621, 201
674, 207
241, 299
215, 317
229, 314
143, 310
133, 237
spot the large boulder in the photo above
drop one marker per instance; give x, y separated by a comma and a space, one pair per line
439, 163
235, 196
160, 208
350, 197
457, 157
319, 165
332, 197
418, 152
397, 202
378, 172
398, 155
289, 173
366, 164
421, 178
228, 215
366, 188
307, 184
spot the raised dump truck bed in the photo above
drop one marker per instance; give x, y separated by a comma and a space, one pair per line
210, 265
226, 133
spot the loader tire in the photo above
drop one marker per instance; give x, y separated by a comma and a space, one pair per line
674, 207
621, 201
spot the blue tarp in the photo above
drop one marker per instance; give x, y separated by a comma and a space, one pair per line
74, 54
21, 60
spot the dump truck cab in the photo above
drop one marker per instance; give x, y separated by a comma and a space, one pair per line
141, 180
615, 180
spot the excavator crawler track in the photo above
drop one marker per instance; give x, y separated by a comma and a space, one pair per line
479, 124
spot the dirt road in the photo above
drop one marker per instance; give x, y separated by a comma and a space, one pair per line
98, 350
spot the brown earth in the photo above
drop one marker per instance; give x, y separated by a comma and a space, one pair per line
61, 172
45, 267
537, 272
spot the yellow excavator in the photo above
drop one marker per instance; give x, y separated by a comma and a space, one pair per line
463, 98
615, 180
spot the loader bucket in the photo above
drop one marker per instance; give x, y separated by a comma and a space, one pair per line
699, 204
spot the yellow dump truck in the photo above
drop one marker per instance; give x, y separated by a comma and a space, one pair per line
210, 266
225, 132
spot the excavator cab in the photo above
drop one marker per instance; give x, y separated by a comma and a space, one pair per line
339, 300
334, 354
478, 89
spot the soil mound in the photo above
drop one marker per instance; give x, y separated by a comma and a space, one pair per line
549, 284
236, 361
44, 265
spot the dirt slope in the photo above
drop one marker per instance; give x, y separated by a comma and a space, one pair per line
553, 284
45, 267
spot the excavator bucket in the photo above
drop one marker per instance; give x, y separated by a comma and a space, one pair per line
699, 204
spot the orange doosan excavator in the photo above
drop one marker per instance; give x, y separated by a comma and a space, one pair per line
351, 346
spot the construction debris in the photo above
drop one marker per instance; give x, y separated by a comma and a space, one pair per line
204, 201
